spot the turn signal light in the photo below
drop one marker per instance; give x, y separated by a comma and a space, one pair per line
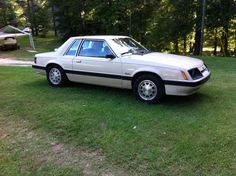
184, 75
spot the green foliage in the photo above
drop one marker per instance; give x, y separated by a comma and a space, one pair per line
7, 14
69, 18
172, 21
219, 16
38, 15
165, 25
162, 25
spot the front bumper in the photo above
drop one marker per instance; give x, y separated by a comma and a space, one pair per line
183, 88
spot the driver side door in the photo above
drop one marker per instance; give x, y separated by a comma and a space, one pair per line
93, 66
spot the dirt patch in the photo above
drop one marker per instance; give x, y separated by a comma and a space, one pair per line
45, 148
13, 62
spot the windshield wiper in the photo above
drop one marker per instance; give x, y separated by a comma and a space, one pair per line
127, 52
143, 51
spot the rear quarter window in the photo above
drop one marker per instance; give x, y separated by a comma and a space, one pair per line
72, 50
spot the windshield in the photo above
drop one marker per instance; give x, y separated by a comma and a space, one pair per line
128, 45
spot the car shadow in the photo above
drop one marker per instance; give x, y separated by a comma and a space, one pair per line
98, 88
196, 98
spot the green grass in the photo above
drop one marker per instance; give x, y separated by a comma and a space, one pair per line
192, 135
42, 44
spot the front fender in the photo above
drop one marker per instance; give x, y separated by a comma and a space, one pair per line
148, 70
163, 73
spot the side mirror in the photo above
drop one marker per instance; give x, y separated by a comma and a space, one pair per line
110, 56
55, 49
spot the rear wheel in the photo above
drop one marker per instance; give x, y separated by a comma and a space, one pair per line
149, 88
56, 76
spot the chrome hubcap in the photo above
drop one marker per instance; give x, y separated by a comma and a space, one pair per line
147, 90
55, 76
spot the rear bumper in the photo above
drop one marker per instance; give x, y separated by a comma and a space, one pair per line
10, 47
184, 87
38, 67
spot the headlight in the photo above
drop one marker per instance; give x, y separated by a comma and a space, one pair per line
195, 73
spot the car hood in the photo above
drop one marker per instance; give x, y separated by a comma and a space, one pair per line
169, 60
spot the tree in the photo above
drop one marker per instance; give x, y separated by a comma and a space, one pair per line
69, 17
164, 25
213, 21
219, 16
37, 14
171, 23
7, 14
227, 11
198, 31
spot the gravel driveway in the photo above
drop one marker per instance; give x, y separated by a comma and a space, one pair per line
12, 62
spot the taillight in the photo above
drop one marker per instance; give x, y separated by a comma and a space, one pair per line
35, 60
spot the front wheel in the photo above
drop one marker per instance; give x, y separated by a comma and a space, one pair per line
56, 76
149, 88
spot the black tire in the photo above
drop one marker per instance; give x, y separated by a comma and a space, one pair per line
149, 88
15, 47
56, 76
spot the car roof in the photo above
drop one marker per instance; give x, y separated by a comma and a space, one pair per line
106, 37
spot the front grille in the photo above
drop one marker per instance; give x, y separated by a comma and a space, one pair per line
195, 73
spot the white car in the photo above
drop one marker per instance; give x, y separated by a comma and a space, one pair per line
121, 62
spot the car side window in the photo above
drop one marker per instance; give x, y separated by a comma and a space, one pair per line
94, 48
73, 48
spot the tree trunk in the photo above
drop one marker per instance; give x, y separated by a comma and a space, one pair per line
36, 31
198, 32
235, 43
197, 46
29, 15
53, 8
176, 46
215, 42
221, 46
225, 40
191, 47
185, 45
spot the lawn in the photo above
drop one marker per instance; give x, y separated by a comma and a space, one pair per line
192, 135
42, 44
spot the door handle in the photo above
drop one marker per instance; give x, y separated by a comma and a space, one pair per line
78, 61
